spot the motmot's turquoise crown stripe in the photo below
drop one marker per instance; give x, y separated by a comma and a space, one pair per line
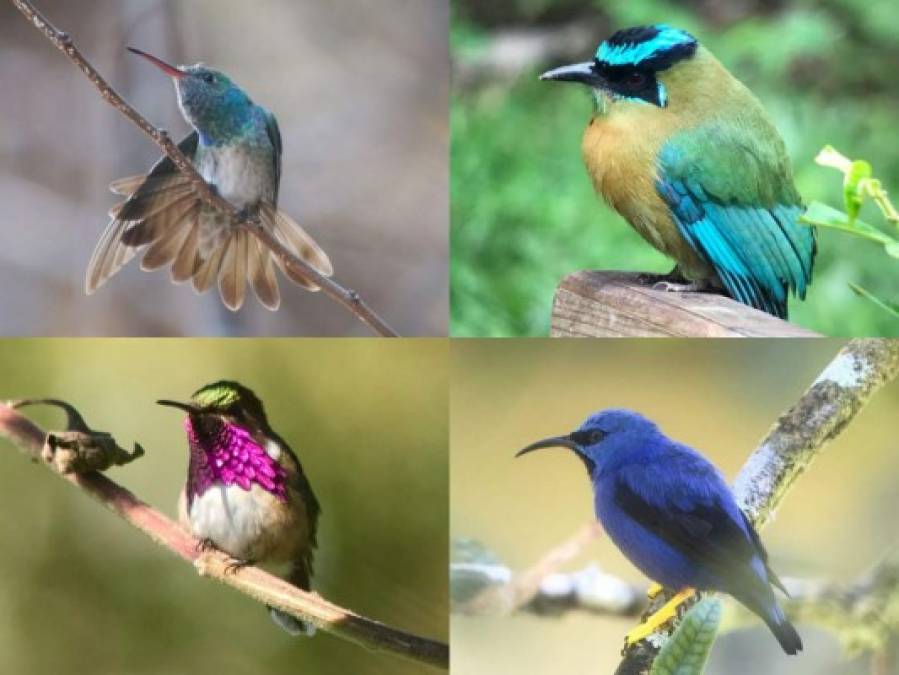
654, 47
688, 156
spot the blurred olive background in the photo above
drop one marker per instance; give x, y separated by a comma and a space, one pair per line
360, 90
721, 397
83, 592
524, 213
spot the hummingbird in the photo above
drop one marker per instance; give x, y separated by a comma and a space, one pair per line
235, 145
246, 492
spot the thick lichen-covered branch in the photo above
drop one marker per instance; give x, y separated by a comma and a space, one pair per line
833, 400
346, 297
252, 581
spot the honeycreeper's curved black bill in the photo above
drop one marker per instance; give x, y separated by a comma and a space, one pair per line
167, 68
553, 442
186, 407
584, 73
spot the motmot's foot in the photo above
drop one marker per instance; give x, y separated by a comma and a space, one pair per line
654, 591
674, 276
658, 619
701, 286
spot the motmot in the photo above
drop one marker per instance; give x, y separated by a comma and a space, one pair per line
687, 155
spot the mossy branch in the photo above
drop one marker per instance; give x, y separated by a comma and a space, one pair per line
252, 581
349, 298
824, 411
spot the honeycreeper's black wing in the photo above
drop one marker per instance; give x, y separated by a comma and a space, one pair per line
685, 503
731, 194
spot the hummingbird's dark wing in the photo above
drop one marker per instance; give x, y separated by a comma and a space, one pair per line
160, 213
274, 136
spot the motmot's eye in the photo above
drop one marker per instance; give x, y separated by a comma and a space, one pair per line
635, 80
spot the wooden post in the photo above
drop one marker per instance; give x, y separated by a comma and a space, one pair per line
616, 304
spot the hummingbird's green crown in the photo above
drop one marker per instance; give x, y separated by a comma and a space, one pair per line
229, 396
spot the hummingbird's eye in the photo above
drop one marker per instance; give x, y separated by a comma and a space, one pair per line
208, 78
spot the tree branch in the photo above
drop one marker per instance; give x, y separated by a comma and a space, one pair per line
346, 297
844, 387
252, 581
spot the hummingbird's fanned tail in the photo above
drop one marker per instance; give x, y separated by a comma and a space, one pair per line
294, 237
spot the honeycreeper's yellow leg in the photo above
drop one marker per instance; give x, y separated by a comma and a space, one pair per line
654, 590
667, 612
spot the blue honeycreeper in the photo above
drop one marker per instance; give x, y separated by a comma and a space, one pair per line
689, 157
672, 514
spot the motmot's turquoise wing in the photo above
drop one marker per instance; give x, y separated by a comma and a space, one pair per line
732, 198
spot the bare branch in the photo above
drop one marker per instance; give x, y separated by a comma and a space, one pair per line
346, 297
252, 581
844, 387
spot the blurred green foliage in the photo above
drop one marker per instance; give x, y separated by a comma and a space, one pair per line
82, 592
524, 213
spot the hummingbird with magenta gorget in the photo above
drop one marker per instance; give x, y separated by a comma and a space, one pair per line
246, 492
235, 145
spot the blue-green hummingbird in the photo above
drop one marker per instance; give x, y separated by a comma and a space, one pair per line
236, 147
246, 492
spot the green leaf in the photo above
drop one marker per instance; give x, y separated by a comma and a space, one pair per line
687, 651
852, 193
823, 215
891, 307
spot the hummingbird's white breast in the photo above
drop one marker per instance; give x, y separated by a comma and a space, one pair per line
237, 521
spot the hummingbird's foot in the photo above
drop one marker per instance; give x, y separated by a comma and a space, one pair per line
234, 565
205, 545
667, 613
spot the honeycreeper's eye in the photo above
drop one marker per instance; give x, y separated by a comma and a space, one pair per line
595, 436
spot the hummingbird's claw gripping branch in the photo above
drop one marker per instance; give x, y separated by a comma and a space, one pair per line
346, 297
267, 589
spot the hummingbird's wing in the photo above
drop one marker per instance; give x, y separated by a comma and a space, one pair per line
274, 136
158, 212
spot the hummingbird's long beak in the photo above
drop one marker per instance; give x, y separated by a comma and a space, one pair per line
553, 442
186, 407
168, 69
585, 73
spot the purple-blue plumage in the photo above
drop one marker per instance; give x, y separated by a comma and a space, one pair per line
672, 514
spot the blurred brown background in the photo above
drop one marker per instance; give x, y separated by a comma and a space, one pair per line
360, 90
719, 396
82, 592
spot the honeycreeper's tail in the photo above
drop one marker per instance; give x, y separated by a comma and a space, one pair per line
783, 630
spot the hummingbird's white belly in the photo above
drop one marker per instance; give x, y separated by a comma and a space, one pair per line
234, 519
237, 174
